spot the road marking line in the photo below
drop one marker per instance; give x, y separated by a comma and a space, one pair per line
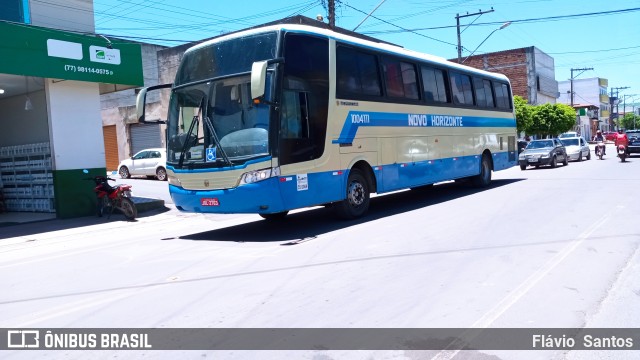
507, 302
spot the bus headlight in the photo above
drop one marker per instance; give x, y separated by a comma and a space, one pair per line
258, 175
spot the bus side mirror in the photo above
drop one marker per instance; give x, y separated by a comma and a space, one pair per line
258, 78
140, 104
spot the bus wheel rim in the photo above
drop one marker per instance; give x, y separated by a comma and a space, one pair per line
356, 194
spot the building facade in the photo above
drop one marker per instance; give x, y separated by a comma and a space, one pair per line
53, 71
530, 70
123, 135
591, 92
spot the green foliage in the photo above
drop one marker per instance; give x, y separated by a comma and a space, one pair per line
551, 119
630, 121
524, 114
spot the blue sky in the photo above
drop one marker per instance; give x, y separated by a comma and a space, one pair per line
607, 40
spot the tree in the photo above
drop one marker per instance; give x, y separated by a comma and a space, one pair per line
630, 121
524, 114
552, 119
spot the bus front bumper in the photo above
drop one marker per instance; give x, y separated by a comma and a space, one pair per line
260, 197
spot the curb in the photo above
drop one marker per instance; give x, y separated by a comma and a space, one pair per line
147, 204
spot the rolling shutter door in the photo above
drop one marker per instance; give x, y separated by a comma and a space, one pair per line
145, 136
110, 147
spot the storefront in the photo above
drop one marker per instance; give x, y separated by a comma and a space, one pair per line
50, 123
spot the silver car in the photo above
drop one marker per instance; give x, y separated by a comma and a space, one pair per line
577, 148
149, 162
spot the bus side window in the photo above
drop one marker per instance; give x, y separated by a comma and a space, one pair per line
461, 89
357, 73
502, 96
434, 87
484, 94
294, 118
400, 79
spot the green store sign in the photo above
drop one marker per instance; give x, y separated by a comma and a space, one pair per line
35, 51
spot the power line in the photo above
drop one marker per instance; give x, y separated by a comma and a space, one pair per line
593, 51
400, 27
530, 20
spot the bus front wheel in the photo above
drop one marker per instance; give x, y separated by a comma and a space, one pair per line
357, 200
275, 216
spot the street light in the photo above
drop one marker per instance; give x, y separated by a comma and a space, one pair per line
485, 39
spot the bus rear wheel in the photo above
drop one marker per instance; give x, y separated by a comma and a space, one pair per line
484, 178
357, 200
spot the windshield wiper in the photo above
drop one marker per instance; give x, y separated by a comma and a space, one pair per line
207, 122
185, 145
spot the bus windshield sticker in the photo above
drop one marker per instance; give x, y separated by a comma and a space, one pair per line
303, 182
211, 154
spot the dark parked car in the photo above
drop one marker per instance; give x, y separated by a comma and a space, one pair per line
634, 141
543, 152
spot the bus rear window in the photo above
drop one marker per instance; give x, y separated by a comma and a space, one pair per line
502, 95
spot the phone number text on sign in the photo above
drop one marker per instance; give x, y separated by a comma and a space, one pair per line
84, 69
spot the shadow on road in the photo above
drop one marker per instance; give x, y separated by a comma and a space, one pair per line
306, 225
29, 228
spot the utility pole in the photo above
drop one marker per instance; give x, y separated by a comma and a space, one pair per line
458, 17
572, 77
332, 13
612, 101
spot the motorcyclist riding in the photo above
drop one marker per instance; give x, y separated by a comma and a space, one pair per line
622, 139
600, 138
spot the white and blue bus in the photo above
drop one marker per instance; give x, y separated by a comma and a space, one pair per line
292, 115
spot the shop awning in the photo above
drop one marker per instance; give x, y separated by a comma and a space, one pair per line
42, 52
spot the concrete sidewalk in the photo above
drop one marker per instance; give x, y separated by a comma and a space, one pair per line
143, 205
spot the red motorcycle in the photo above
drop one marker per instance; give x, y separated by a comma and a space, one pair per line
622, 152
113, 197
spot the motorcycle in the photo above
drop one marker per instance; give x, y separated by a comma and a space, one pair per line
622, 152
113, 197
600, 149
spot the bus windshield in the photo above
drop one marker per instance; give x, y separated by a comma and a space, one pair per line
226, 58
216, 124
212, 120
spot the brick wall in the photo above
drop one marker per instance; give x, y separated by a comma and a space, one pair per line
511, 63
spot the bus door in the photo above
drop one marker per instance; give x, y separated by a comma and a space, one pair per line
302, 121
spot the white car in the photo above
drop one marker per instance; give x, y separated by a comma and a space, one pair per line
148, 162
568, 134
577, 148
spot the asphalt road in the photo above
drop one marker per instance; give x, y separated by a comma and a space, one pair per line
541, 248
